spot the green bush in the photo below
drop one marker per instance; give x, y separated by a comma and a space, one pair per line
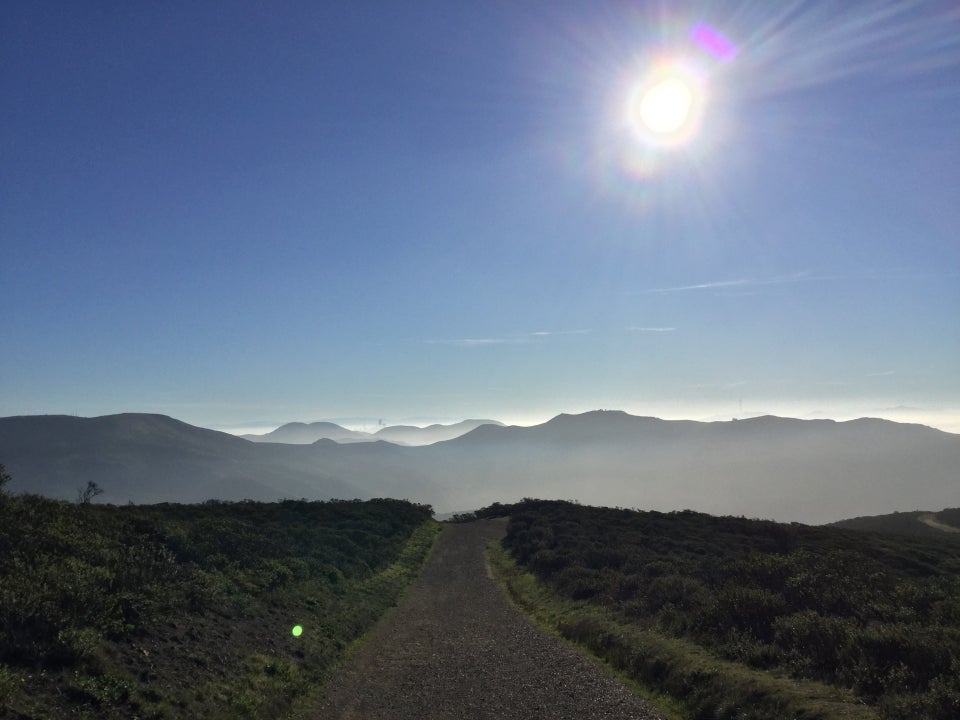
813, 644
899, 658
751, 610
103, 689
680, 592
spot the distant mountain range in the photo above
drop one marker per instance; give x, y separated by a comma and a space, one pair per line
412, 435
812, 471
298, 433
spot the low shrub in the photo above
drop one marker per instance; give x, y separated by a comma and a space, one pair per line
879, 614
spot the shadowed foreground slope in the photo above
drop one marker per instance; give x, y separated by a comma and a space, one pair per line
455, 648
165, 612
800, 622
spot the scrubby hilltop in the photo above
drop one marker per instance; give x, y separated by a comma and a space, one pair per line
712, 609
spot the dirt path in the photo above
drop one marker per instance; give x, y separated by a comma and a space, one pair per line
931, 520
455, 648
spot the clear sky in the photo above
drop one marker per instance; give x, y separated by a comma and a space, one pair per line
243, 212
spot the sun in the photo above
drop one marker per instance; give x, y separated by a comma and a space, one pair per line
665, 108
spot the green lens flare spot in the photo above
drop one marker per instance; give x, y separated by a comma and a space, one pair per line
297, 630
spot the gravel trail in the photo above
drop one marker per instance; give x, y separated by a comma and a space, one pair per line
455, 648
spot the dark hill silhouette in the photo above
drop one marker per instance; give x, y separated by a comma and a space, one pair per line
597, 426
151, 458
812, 471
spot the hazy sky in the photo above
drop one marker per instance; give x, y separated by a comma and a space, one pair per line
237, 211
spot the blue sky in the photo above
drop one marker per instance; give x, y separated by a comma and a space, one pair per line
240, 212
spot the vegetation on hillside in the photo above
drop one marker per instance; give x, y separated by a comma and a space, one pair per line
170, 611
878, 615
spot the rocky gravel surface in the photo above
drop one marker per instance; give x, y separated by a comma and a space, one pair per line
455, 648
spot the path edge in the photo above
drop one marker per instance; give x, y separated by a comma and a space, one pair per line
419, 548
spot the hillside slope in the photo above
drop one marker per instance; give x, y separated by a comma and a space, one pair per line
878, 615
153, 458
943, 525
187, 611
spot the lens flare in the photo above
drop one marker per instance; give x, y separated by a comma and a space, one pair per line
297, 630
713, 42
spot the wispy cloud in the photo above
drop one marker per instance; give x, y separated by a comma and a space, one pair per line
478, 342
715, 285
521, 339
635, 328
742, 283
549, 333
885, 373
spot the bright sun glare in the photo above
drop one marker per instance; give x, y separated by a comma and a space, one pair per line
665, 108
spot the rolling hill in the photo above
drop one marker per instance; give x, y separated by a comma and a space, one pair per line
152, 458
412, 435
298, 433
812, 471
944, 525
